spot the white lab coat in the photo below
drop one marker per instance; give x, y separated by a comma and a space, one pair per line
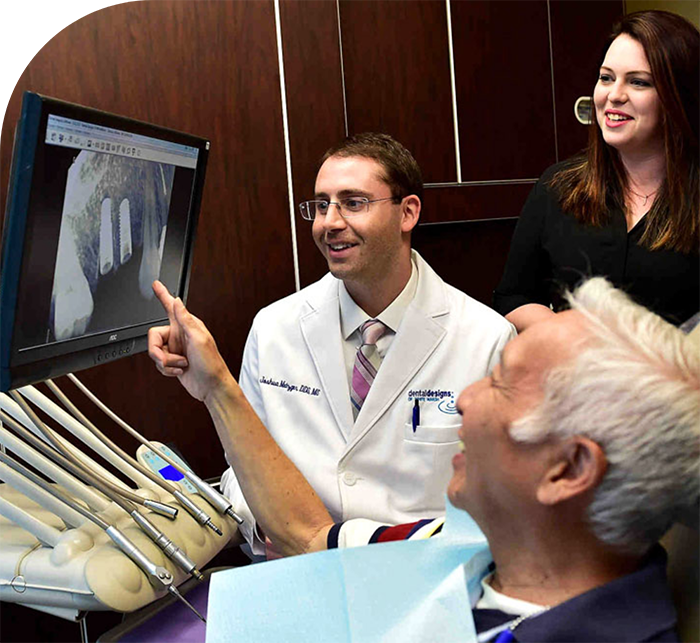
377, 467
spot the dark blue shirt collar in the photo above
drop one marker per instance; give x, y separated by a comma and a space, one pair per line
635, 607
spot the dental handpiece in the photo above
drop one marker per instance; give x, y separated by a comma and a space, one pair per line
198, 514
217, 500
171, 550
159, 577
52, 439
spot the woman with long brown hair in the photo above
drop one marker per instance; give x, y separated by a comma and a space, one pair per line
628, 207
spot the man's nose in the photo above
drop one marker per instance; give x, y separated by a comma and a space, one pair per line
333, 218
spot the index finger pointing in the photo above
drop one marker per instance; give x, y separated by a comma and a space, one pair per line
168, 301
165, 298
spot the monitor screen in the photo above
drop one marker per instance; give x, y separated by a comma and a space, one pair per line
98, 207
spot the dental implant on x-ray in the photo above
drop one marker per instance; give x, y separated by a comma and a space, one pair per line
125, 232
106, 238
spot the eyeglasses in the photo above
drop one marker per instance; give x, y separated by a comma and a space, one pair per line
350, 207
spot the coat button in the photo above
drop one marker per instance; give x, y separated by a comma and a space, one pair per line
349, 478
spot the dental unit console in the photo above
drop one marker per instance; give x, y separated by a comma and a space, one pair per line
98, 207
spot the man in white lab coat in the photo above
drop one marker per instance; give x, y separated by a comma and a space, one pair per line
385, 457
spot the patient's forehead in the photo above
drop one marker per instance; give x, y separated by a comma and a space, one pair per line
545, 345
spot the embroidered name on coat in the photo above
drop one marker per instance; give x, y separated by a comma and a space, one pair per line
290, 388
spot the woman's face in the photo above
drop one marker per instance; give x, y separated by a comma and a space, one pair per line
627, 105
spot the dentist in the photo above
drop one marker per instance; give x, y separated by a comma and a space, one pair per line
356, 376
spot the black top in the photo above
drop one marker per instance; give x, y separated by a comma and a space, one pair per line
552, 251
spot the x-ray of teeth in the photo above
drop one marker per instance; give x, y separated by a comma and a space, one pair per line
115, 214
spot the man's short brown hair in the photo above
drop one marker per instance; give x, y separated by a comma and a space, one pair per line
401, 172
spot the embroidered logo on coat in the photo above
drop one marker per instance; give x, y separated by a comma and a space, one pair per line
448, 406
445, 399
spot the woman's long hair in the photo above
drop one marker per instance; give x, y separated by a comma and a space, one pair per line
593, 184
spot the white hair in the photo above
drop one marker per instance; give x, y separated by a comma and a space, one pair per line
634, 389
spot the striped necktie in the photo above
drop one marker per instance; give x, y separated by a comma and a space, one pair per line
364, 372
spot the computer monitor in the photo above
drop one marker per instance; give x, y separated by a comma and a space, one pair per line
98, 206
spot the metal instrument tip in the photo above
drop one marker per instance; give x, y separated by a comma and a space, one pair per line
214, 528
234, 515
174, 591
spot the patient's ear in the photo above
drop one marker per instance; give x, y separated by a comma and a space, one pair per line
578, 467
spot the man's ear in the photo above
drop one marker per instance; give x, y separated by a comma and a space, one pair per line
578, 468
410, 211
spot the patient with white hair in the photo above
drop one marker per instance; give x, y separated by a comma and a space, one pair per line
580, 450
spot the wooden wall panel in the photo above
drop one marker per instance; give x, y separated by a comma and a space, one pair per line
504, 88
315, 105
209, 68
470, 256
397, 78
579, 32
458, 203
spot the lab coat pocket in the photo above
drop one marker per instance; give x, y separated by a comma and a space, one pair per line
431, 433
426, 456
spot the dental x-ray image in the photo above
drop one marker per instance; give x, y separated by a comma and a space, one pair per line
110, 247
